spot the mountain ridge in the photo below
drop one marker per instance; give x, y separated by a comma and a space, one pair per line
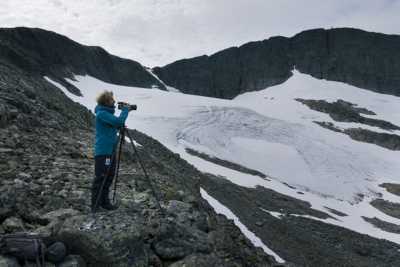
364, 59
46, 53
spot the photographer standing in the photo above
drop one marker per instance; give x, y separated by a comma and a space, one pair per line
107, 125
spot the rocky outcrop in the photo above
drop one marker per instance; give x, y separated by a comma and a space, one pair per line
385, 226
363, 59
225, 163
389, 141
385, 140
344, 111
392, 188
390, 208
46, 53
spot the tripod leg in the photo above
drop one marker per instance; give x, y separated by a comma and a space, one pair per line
145, 172
122, 133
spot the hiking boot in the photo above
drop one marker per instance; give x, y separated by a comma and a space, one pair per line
105, 201
106, 204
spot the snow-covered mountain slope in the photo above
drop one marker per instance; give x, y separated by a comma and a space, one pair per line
271, 132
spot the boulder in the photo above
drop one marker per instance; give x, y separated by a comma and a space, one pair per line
175, 242
8, 262
56, 252
103, 239
13, 224
185, 214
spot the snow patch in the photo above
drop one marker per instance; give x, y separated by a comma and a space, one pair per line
169, 88
276, 214
136, 143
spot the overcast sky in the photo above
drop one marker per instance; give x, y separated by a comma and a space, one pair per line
157, 32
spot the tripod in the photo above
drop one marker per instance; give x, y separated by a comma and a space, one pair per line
123, 132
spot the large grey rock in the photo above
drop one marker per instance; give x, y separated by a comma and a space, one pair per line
102, 239
56, 252
185, 214
13, 224
176, 242
8, 262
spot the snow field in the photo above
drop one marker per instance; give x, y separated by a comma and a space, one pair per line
271, 132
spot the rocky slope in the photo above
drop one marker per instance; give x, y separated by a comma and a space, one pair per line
363, 59
293, 230
46, 168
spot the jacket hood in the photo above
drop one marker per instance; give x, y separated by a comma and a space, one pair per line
99, 108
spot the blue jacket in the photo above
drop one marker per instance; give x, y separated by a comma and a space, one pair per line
107, 125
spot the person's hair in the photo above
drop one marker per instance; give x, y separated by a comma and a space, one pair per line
104, 98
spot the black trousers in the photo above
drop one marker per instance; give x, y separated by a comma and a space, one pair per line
104, 168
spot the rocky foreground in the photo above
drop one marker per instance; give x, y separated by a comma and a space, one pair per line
46, 169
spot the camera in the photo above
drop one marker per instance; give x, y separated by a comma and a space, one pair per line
129, 106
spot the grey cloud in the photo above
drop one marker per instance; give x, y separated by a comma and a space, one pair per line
156, 32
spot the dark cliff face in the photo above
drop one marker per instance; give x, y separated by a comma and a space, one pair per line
363, 59
50, 54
